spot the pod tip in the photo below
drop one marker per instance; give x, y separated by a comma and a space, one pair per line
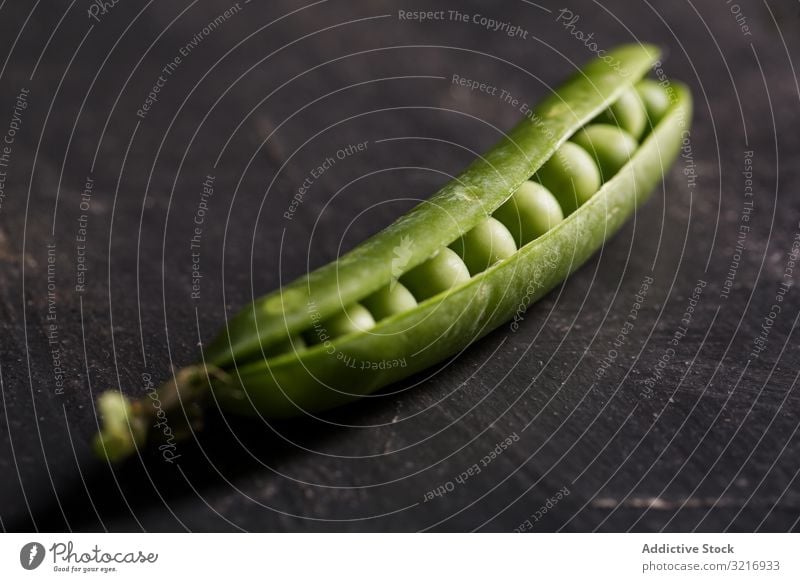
122, 431
126, 425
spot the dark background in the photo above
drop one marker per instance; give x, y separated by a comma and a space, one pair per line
272, 92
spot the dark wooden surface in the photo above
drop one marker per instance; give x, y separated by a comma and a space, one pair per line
269, 94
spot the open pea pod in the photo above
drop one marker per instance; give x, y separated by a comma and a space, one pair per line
497, 238
435, 223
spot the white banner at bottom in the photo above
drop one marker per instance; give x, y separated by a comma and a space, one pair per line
390, 557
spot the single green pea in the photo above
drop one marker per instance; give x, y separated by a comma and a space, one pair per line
530, 212
627, 112
571, 175
441, 272
354, 318
392, 299
486, 244
655, 99
610, 145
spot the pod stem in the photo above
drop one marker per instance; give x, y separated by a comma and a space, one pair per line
169, 414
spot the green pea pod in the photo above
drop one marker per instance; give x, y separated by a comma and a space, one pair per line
455, 209
259, 364
363, 362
